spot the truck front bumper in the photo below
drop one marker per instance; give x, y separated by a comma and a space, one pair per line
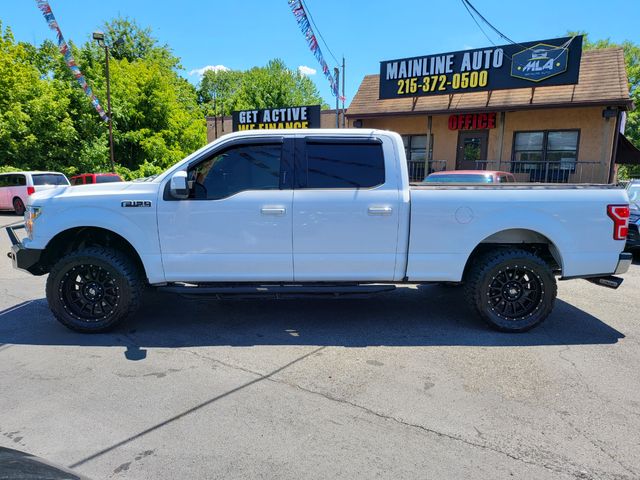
27, 259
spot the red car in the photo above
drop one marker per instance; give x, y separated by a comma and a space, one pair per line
87, 178
470, 176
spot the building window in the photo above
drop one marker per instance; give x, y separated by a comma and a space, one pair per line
415, 146
547, 156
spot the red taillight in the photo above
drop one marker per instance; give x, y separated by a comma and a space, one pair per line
31, 190
620, 216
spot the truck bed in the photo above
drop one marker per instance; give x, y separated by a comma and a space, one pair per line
512, 186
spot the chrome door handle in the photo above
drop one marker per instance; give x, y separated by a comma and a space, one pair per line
273, 210
380, 210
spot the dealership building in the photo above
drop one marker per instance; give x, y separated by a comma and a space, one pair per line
558, 133
545, 111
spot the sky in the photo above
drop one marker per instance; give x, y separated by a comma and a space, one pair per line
242, 34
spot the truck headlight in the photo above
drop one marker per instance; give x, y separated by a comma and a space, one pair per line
30, 215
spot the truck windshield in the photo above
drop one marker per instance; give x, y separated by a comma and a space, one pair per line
459, 179
49, 179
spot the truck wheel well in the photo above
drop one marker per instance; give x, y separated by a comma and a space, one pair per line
524, 239
80, 237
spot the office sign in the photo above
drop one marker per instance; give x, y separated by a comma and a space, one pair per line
472, 121
544, 62
270, 118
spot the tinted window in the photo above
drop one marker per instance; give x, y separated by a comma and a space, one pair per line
49, 179
4, 180
77, 181
20, 180
107, 179
248, 167
344, 165
459, 179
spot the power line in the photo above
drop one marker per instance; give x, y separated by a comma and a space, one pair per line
468, 5
318, 30
467, 2
477, 23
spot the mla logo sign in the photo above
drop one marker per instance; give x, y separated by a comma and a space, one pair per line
539, 62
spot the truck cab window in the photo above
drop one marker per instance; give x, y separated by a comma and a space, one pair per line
344, 165
246, 167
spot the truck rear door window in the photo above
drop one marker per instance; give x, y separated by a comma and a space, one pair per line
344, 165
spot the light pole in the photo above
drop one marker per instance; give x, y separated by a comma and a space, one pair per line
99, 37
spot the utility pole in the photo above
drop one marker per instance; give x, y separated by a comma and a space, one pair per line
215, 116
343, 96
113, 163
99, 37
336, 72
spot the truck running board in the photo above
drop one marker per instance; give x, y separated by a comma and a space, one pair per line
270, 290
610, 281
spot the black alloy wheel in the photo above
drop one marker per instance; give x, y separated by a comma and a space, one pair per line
93, 289
89, 293
513, 290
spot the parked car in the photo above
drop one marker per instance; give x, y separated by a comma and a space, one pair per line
633, 236
326, 211
470, 176
87, 178
16, 187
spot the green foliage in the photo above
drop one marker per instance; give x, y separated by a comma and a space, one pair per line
271, 86
47, 122
632, 63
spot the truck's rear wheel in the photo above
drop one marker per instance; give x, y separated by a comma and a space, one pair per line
512, 290
93, 289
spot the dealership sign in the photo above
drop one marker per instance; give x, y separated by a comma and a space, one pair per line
544, 62
287, 117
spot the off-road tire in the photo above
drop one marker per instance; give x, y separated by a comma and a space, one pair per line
113, 274
18, 206
497, 304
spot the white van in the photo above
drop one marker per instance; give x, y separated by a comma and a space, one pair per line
15, 187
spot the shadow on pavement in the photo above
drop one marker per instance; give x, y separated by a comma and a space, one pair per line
427, 316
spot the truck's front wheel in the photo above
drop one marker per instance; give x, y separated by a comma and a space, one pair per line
513, 290
93, 289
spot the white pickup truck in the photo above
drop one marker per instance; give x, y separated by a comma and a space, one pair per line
312, 212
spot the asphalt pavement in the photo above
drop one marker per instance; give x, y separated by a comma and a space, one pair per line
408, 384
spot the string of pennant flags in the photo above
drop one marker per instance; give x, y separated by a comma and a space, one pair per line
45, 8
303, 22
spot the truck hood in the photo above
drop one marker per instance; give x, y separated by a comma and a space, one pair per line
119, 189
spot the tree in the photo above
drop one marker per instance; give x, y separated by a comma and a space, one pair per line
632, 63
36, 129
271, 86
217, 92
47, 122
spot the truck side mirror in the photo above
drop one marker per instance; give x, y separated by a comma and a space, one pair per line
178, 186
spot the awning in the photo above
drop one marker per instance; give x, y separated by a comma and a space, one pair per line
627, 153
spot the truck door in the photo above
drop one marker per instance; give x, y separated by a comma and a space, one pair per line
345, 210
236, 224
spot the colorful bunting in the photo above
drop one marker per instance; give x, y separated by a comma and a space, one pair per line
305, 27
45, 8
